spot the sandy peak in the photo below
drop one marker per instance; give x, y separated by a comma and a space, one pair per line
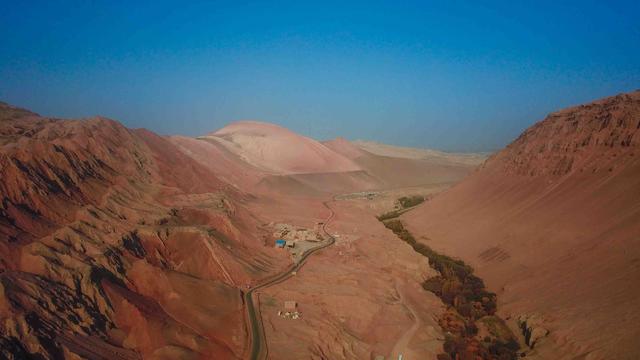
251, 127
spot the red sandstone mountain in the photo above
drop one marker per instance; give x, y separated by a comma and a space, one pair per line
118, 243
115, 244
552, 223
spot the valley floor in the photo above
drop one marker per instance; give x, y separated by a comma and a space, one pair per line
361, 297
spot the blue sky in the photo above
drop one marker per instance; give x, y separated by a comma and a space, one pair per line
452, 75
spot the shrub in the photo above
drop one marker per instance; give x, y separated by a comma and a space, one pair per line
504, 350
395, 226
433, 285
389, 215
470, 329
458, 287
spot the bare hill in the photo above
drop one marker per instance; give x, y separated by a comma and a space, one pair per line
552, 223
278, 150
115, 244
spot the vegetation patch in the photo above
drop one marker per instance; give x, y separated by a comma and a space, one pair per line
404, 204
470, 305
410, 201
390, 215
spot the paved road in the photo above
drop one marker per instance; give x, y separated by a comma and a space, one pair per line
258, 350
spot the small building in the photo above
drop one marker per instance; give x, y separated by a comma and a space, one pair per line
280, 243
290, 243
290, 305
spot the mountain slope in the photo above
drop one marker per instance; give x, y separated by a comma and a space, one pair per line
345, 147
552, 223
225, 164
115, 244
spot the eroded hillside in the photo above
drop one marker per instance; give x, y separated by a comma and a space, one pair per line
600, 136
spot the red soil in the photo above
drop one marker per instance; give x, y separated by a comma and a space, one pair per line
115, 242
121, 242
552, 223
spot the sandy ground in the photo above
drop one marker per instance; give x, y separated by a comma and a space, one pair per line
359, 298
423, 154
551, 224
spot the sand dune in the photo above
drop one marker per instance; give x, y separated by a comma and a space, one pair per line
319, 184
225, 164
278, 150
345, 147
395, 167
256, 156
434, 156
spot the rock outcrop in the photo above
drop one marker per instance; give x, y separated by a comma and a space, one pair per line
587, 138
533, 329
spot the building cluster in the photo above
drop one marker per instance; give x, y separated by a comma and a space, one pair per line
295, 233
290, 310
282, 243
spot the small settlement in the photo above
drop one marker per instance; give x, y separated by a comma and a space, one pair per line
297, 239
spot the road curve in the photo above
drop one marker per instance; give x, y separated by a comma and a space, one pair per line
257, 336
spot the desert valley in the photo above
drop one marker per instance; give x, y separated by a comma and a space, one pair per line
252, 241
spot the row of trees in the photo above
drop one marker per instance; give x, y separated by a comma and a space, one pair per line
468, 300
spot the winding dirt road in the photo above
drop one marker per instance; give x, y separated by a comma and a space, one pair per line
257, 337
402, 344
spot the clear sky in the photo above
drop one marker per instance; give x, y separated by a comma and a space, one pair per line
452, 75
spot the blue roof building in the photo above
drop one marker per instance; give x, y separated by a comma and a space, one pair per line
280, 243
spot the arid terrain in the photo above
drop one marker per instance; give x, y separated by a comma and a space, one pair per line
118, 243
552, 224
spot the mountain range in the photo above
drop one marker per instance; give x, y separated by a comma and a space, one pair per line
120, 243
